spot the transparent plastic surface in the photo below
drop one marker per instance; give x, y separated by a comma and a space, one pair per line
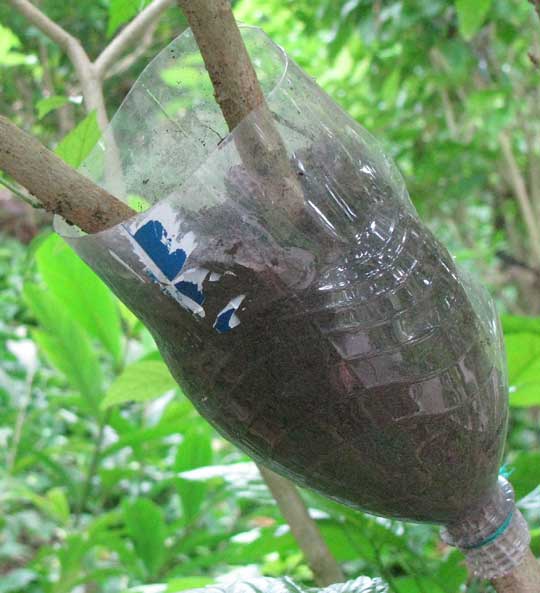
286, 585
338, 344
495, 537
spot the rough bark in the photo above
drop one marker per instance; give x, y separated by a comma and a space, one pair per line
56, 185
524, 579
238, 93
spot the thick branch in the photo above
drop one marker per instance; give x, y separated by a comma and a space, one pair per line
304, 529
524, 579
236, 87
238, 93
57, 186
129, 35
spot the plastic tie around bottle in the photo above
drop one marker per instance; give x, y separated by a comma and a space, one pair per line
494, 538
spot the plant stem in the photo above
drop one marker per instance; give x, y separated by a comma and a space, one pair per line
19, 194
525, 578
19, 423
304, 529
93, 466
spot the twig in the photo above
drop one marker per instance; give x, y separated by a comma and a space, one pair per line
303, 528
130, 34
520, 189
93, 466
19, 194
19, 423
533, 55
56, 185
91, 74
129, 59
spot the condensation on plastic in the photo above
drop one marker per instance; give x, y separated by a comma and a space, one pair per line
494, 538
342, 348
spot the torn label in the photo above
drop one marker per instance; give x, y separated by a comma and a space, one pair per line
157, 238
164, 255
190, 284
155, 241
227, 318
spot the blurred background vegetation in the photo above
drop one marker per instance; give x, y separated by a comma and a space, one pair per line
105, 486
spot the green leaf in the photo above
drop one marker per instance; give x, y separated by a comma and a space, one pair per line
195, 451
141, 381
185, 583
77, 145
66, 344
83, 295
8, 42
523, 353
45, 106
146, 528
513, 324
471, 15
58, 504
54, 503
121, 11
525, 476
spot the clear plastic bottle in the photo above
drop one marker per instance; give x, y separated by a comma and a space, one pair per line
339, 344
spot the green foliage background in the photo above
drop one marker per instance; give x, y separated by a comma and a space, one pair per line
109, 479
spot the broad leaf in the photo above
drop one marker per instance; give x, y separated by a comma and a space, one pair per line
471, 15
146, 528
195, 451
514, 324
77, 145
523, 352
141, 381
82, 294
121, 11
8, 42
45, 106
66, 344
525, 475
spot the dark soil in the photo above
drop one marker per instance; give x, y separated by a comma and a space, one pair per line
359, 368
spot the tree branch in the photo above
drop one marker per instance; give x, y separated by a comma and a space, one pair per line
129, 59
129, 35
238, 93
70, 44
525, 578
56, 185
47, 26
303, 528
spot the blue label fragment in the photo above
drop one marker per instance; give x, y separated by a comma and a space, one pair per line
164, 254
227, 318
223, 321
153, 238
190, 290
